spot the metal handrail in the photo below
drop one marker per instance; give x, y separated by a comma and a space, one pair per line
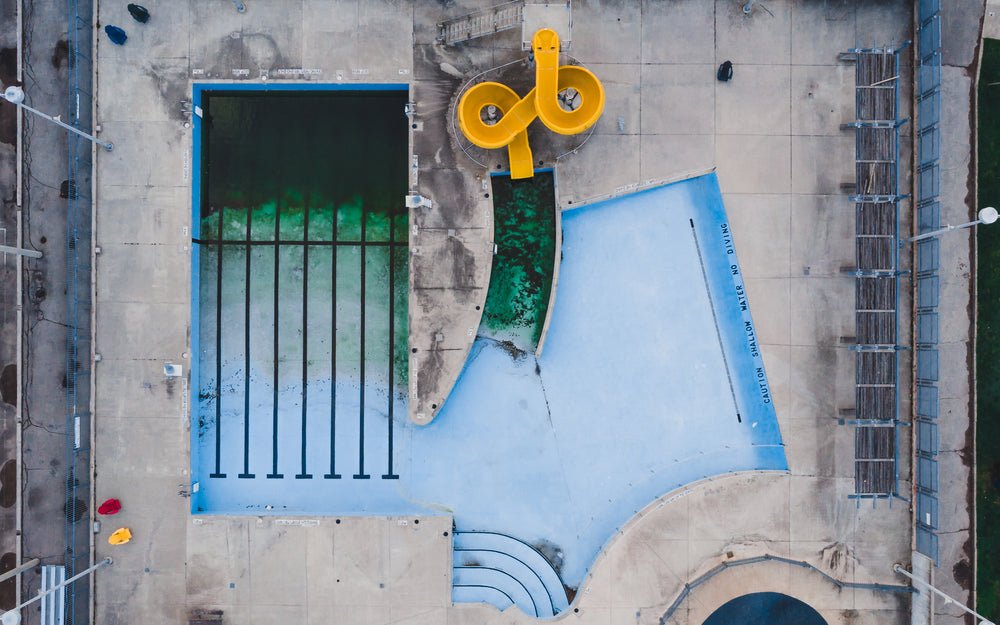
688, 587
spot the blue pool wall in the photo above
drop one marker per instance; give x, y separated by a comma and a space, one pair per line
562, 478
709, 441
198, 92
729, 295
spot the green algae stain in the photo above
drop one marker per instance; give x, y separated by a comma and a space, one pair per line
349, 220
325, 275
339, 176
521, 278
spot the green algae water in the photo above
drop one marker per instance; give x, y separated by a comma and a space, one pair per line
313, 146
521, 278
303, 237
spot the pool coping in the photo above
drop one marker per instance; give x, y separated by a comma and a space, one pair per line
198, 89
556, 262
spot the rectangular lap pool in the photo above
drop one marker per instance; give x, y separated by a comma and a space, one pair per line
299, 319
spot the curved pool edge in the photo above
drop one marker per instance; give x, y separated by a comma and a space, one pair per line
637, 519
424, 406
754, 584
640, 517
607, 526
761, 450
556, 263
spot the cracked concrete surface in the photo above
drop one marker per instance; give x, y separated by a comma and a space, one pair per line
772, 135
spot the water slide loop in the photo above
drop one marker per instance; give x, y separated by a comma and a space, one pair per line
507, 122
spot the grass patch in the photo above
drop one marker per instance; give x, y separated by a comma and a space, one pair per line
988, 340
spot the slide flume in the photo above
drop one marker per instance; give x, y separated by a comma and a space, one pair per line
515, 114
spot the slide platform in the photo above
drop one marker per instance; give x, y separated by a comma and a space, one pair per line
516, 113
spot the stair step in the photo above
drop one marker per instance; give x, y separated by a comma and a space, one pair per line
507, 584
518, 559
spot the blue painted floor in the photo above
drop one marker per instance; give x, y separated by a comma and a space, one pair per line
765, 608
651, 378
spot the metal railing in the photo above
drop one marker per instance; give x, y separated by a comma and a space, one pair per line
481, 23
78, 294
877, 198
725, 566
928, 218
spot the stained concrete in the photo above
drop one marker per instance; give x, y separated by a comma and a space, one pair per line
10, 483
780, 158
960, 22
43, 477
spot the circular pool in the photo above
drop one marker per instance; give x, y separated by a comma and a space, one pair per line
765, 608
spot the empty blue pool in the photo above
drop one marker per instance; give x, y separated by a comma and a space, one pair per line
651, 378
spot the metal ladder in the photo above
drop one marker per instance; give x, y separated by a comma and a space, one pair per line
480, 23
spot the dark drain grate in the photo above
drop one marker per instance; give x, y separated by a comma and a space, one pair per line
67, 190
198, 616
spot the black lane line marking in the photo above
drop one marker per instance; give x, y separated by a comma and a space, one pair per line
218, 357
361, 475
290, 242
333, 475
389, 475
305, 338
246, 361
715, 320
274, 428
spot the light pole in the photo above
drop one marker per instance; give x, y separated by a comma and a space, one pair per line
240, 7
922, 584
6, 249
13, 617
986, 216
15, 95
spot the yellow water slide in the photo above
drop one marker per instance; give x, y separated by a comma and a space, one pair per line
515, 114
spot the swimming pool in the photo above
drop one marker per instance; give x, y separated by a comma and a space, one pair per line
299, 319
651, 379
765, 608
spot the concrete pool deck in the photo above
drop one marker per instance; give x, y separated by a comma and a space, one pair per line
773, 137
